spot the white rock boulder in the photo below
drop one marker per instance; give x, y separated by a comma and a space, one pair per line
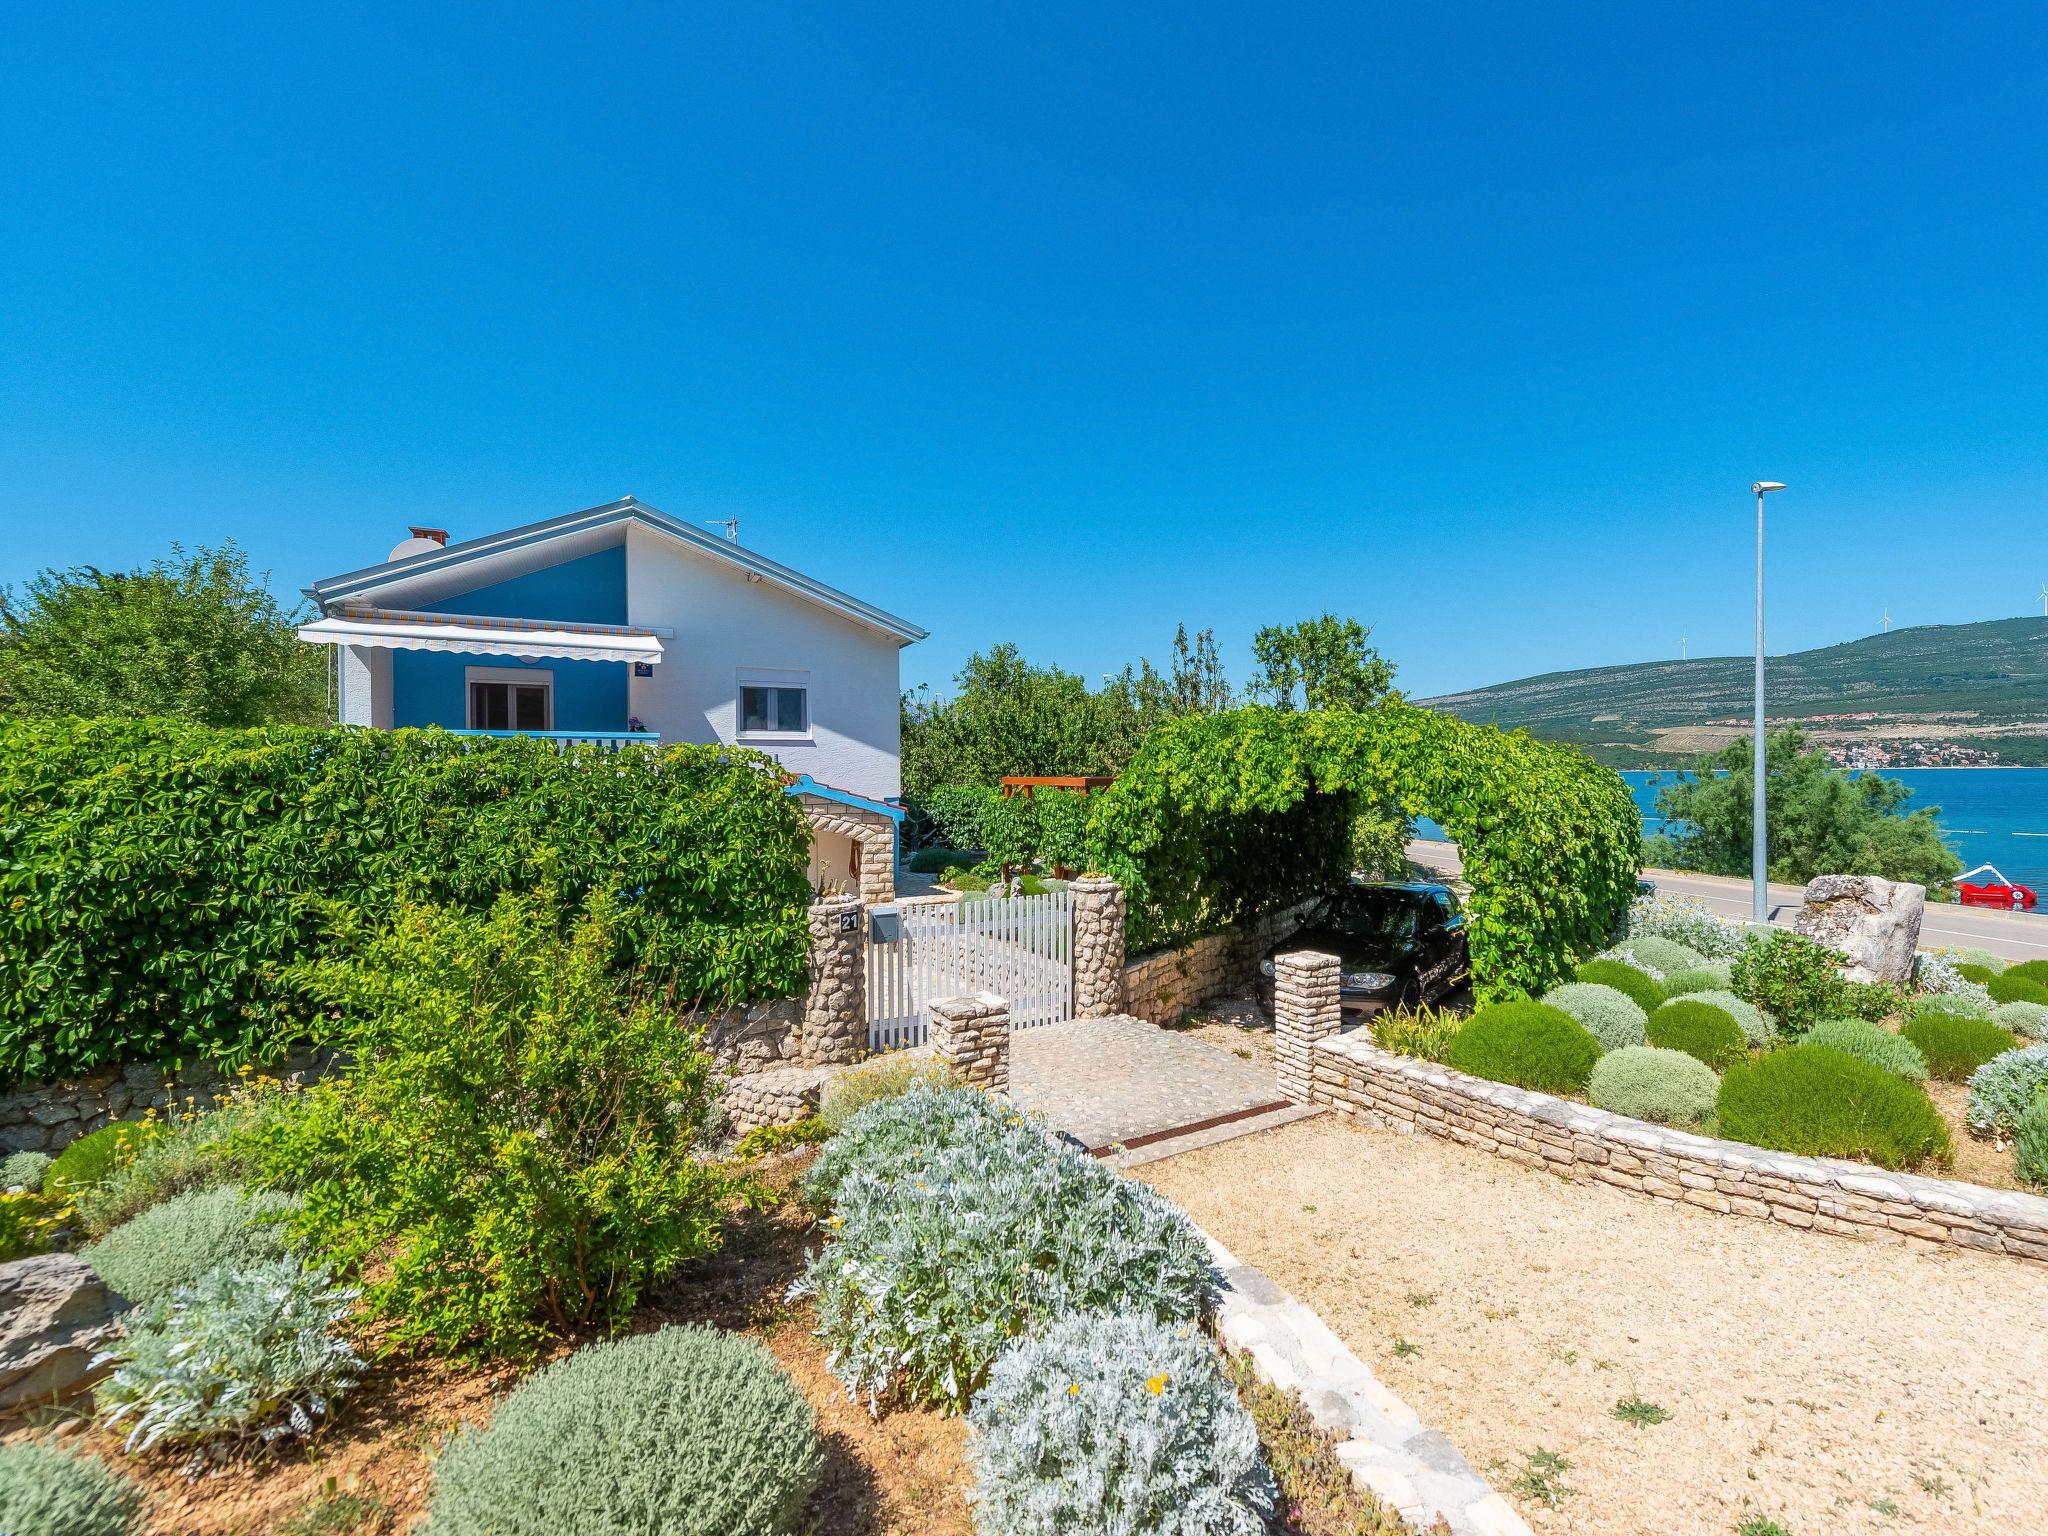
1873, 923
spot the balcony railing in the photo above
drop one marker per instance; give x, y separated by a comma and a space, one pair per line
610, 741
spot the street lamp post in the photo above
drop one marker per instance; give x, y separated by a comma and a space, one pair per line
1759, 870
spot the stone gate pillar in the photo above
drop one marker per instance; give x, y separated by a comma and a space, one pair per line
1098, 947
835, 1023
1305, 1011
971, 1035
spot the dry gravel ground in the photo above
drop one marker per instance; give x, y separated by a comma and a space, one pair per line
1833, 1385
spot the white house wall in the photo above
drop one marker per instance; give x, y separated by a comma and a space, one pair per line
725, 623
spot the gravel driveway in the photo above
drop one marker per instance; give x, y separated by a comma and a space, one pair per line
1832, 1385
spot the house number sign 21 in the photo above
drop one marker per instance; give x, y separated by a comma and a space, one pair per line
848, 921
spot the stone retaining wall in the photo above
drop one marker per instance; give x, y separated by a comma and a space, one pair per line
48, 1117
1356, 1077
1167, 985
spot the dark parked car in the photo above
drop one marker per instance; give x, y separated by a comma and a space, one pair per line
1400, 944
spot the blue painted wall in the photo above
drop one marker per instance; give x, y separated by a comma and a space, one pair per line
427, 686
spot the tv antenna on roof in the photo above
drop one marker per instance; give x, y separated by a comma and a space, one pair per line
731, 525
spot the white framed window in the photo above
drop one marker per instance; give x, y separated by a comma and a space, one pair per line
772, 705
509, 699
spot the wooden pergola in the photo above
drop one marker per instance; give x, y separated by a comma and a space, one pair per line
1024, 783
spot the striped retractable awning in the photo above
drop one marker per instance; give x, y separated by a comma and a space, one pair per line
400, 630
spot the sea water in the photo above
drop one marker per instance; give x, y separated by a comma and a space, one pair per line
1988, 815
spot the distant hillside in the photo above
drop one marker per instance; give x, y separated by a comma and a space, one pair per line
1982, 687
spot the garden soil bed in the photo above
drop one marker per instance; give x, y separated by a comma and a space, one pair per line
901, 1475
1838, 1386
1976, 1161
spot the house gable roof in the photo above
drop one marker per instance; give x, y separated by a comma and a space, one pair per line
581, 532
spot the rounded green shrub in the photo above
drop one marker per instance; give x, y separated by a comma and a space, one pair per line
1651, 1083
1955, 1044
1638, 985
1980, 974
1872, 1043
2035, 971
1965, 1004
942, 861
1529, 1045
1711, 977
24, 1170
2017, 985
2029, 1019
1612, 1017
2005, 1088
45, 1491
1982, 957
688, 1431
1756, 1029
173, 1244
1106, 1422
1656, 955
2030, 1142
871, 1083
1700, 1030
1818, 1102
94, 1156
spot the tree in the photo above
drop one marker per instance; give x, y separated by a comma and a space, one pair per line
1818, 820
1326, 661
1195, 681
192, 635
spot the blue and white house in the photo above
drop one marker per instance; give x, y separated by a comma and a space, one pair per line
619, 624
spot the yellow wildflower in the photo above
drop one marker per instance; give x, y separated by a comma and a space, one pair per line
1073, 1389
1156, 1384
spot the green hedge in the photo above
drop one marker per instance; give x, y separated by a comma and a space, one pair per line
158, 876
1226, 817
1820, 1103
1530, 1045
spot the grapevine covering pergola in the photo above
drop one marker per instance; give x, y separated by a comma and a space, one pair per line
1221, 818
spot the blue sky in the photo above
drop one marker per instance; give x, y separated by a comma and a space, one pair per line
1061, 324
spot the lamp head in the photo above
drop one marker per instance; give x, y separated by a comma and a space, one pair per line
1765, 487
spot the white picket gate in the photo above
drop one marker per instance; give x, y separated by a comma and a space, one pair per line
1019, 947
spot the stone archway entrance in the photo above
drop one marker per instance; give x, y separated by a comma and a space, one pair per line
851, 846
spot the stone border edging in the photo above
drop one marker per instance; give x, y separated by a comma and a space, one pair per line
1388, 1449
1538, 1130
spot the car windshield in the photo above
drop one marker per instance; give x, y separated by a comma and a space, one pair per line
1374, 915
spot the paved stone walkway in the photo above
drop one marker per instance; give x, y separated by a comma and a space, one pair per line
1111, 1081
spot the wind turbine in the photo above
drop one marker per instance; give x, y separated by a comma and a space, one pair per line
2044, 599
1682, 656
1887, 621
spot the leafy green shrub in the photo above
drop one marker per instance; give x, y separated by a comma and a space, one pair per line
24, 1170
1223, 817
173, 1244
1658, 956
1638, 986
2029, 1019
874, 1081
1714, 976
937, 1259
2035, 971
1793, 980
1871, 1000
1982, 957
192, 1153
763, 1140
1955, 1044
956, 810
2005, 1088
1700, 1030
91, 1158
105, 955
1526, 1044
1872, 1043
28, 1222
687, 1431
1423, 1033
1756, 1029
1954, 1004
2030, 1142
1820, 1103
1650, 1083
243, 1352
1980, 974
942, 861
2015, 987
45, 1491
511, 1151
1118, 1423
1684, 920
1611, 1017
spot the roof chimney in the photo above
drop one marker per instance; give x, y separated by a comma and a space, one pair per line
424, 541
438, 535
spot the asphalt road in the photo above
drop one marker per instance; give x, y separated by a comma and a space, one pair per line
2016, 935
